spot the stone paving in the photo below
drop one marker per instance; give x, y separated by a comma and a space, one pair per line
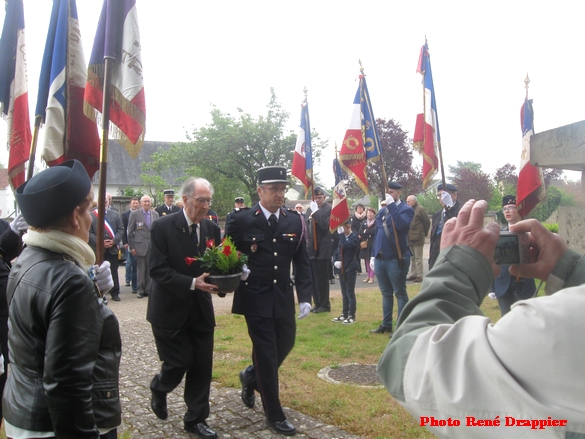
229, 417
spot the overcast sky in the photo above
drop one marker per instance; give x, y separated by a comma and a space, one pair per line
229, 53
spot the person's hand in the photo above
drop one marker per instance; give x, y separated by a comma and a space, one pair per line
103, 277
337, 264
19, 224
389, 199
546, 249
372, 262
305, 308
245, 272
467, 229
446, 199
133, 251
313, 206
200, 284
108, 243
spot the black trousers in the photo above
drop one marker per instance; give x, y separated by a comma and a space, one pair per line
320, 269
186, 352
272, 340
113, 260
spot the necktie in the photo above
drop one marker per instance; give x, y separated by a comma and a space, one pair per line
272, 221
147, 219
194, 236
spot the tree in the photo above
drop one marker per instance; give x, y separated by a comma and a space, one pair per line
230, 150
456, 170
474, 185
397, 156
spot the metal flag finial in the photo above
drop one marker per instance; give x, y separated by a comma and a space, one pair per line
526, 84
305, 91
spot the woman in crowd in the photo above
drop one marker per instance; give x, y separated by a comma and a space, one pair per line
64, 343
367, 233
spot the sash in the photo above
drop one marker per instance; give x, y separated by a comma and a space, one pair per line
106, 225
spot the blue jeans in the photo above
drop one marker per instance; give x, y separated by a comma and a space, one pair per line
131, 271
392, 280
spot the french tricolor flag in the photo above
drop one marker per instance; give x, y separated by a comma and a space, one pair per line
302, 165
69, 133
14, 91
427, 138
531, 187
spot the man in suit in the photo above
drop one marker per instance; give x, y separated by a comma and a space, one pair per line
450, 209
272, 237
113, 234
131, 275
168, 207
390, 255
139, 225
417, 233
180, 309
320, 249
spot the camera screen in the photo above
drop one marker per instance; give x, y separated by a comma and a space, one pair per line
507, 251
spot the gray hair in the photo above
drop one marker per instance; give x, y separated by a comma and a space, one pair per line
192, 182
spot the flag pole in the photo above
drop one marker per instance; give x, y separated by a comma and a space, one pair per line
33, 147
311, 186
104, 160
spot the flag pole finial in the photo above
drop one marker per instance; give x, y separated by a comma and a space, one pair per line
526, 84
361, 68
305, 90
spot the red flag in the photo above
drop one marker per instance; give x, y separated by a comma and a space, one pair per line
339, 208
352, 156
427, 137
14, 91
531, 187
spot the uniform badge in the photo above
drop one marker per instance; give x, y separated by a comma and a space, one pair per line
254, 248
164, 213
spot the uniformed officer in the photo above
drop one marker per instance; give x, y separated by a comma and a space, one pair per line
239, 203
272, 237
168, 207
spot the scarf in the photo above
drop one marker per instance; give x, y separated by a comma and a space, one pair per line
64, 243
360, 216
370, 223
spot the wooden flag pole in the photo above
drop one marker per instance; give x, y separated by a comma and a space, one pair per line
104, 161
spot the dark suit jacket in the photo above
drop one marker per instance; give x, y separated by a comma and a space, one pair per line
436, 238
125, 217
319, 222
171, 301
115, 223
268, 291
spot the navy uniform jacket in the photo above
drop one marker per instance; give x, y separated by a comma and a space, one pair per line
319, 221
349, 246
164, 210
268, 291
402, 215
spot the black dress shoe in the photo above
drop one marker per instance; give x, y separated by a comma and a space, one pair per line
116, 298
321, 309
158, 404
381, 330
283, 427
140, 295
248, 396
201, 429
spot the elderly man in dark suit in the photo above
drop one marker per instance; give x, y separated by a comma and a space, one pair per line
450, 209
113, 234
139, 226
272, 237
180, 308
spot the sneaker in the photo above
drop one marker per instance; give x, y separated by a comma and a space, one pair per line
349, 321
341, 318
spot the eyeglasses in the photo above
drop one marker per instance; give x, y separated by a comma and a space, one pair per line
274, 190
508, 209
201, 200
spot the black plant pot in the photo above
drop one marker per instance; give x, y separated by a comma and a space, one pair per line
226, 283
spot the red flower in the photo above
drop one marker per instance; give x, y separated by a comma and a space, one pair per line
209, 243
227, 250
189, 260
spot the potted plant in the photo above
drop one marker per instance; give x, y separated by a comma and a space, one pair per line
224, 263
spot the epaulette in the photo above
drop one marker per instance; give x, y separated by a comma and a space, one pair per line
237, 209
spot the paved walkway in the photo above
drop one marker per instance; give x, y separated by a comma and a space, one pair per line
229, 417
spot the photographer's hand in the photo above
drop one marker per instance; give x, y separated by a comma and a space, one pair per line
467, 229
546, 249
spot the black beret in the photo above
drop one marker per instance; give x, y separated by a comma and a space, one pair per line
509, 199
53, 193
394, 185
239, 200
272, 174
169, 192
319, 191
450, 187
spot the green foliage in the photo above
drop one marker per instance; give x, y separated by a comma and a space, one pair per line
429, 201
455, 171
552, 227
223, 259
131, 192
155, 187
546, 208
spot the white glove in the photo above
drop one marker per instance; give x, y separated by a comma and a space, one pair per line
492, 296
305, 309
313, 206
446, 199
389, 199
1, 364
340, 230
245, 272
372, 262
103, 277
337, 264
19, 224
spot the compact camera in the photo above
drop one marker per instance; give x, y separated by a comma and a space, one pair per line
512, 249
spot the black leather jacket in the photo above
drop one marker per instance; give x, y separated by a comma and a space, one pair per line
65, 349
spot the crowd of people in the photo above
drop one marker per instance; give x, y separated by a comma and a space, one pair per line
64, 344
